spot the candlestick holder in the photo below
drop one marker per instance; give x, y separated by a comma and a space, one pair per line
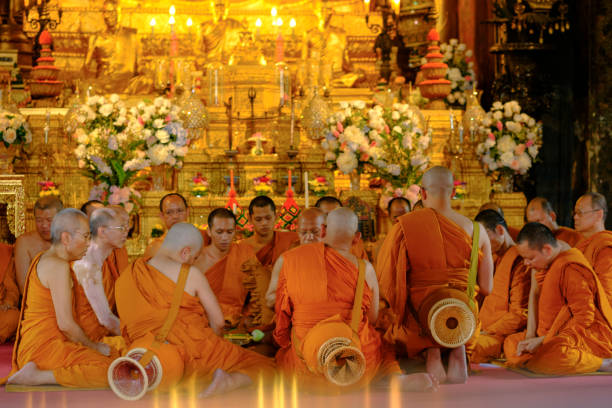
292, 152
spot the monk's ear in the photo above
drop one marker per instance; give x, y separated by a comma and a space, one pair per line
356, 238
423, 193
185, 254
65, 238
323, 230
499, 230
553, 215
547, 250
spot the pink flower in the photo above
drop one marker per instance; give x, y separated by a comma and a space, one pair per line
514, 165
335, 133
373, 144
141, 121
168, 118
387, 129
119, 195
500, 126
529, 143
491, 136
468, 78
520, 149
364, 157
340, 127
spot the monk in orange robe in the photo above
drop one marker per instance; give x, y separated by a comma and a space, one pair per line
9, 294
496, 207
144, 295
396, 207
32, 243
329, 203
310, 229
318, 281
51, 348
540, 210
427, 250
569, 326
504, 310
95, 276
589, 218
173, 208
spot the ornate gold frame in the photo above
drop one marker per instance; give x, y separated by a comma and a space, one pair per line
13, 195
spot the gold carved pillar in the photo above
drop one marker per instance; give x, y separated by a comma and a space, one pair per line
12, 200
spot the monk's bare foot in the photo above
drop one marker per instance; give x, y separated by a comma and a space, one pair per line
30, 374
417, 382
606, 365
434, 365
223, 382
457, 366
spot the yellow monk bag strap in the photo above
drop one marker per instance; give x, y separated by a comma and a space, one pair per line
449, 314
332, 347
151, 362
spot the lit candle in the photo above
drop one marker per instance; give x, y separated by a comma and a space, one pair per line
292, 24
306, 189
257, 28
273, 12
452, 122
460, 133
48, 120
292, 122
152, 24
289, 179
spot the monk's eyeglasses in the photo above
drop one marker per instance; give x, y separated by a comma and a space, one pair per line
121, 228
313, 232
581, 213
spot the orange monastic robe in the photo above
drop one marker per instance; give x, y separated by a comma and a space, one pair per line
571, 236
41, 341
315, 283
113, 265
598, 251
9, 294
226, 281
504, 311
513, 232
423, 252
282, 241
575, 317
144, 296
359, 250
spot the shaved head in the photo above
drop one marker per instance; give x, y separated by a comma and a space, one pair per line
182, 235
310, 225
67, 220
342, 224
101, 217
438, 181
540, 210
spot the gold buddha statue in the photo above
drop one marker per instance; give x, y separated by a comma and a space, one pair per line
221, 36
115, 53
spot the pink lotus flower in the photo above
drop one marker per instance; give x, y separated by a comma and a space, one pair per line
340, 127
491, 136
529, 143
520, 149
500, 126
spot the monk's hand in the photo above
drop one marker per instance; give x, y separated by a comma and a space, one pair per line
529, 345
103, 349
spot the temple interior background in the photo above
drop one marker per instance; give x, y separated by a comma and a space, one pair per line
254, 83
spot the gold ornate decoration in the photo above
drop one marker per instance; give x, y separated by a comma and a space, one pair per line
314, 116
12, 194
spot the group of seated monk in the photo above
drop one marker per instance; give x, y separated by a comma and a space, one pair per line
541, 297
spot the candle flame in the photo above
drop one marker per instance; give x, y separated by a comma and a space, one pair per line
279, 21
189, 22
152, 22
172, 10
273, 12
292, 23
171, 20
258, 22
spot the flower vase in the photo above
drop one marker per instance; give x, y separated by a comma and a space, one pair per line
505, 183
7, 154
162, 177
474, 113
355, 179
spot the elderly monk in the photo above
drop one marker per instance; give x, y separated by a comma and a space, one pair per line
31, 243
90, 206
318, 281
9, 294
329, 203
144, 296
496, 207
589, 218
540, 210
504, 311
118, 259
427, 250
173, 208
51, 348
310, 228
94, 289
221, 263
569, 323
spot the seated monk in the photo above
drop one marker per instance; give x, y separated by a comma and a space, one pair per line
318, 281
9, 294
31, 243
496, 207
589, 218
94, 289
144, 295
310, 228
504, 311
118, 259
51, 348
90, 206
173, 208
221, 263
540, 210
569, 322
396, 207
427, 250
329, 203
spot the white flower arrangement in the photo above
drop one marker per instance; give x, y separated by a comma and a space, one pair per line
460, 71
166, 139
512, 140
14, 129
